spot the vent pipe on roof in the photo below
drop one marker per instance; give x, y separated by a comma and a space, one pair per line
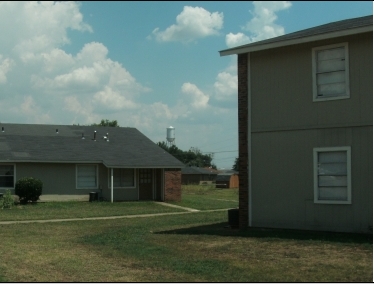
83, 135
107, 137
56, 130
2, 129
95, 135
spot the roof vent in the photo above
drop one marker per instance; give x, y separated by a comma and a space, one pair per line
83, 135
106, 137
2, 129
94, 135
56, 130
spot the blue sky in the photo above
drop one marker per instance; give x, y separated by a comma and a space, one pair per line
148, 65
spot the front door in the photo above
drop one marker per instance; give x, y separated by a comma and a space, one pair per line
145, 184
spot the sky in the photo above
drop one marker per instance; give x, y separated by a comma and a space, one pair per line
148, 65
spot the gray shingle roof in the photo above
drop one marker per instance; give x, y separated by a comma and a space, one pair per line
322, 29
196, 171
127, 147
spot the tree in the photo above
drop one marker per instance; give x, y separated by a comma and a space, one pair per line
235, 167
106, 122
192, 157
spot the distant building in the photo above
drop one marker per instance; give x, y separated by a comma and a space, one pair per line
196, 175
228, 179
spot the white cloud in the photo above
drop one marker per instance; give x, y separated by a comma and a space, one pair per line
38, 26
5, 66
85, 84
226, 86
192, 23
236, 39
262, 25
31, 110
194, 96
110, 100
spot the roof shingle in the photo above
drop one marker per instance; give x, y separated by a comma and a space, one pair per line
127, 147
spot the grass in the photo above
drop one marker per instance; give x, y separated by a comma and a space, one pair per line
192, 247
79, 209
207, 197
196, 197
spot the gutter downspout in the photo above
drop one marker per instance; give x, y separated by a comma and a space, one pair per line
111, 185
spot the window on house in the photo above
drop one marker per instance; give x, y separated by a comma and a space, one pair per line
332, 175
123, 178
7, 176
87, 176
330, 72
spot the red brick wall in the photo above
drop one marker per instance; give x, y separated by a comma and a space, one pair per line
243, 138
173, 188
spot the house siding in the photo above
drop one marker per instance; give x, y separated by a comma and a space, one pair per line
282, 94
282, 165
285, 127
60, 179
56, 178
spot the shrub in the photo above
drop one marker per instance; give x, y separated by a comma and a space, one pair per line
7, 201
28, 189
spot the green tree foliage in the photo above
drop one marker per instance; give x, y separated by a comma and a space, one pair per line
106, 122
192, 157
235, 167
28, 189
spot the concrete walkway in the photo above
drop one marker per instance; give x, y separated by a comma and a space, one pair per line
110, 217
176, 206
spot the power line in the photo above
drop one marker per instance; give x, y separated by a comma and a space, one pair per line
220, 152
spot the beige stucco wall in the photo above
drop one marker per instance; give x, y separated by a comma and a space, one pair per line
285, 127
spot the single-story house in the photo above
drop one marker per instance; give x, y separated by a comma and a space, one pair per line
119, 162
196, 175
305, 112
228, 179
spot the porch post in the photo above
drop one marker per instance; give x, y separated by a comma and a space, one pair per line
111, 185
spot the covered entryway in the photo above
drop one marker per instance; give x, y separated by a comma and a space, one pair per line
145, 184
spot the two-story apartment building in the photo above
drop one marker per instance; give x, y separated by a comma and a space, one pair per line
305, 104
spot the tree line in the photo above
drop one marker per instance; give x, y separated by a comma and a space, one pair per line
192, 158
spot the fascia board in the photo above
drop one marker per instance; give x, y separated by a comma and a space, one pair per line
51, 162
247, 49
144, 167
92, 162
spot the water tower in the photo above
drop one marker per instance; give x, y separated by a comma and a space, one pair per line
170, 135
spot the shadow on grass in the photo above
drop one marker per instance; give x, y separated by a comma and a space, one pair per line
222, 229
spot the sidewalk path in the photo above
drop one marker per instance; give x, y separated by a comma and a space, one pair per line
176, 206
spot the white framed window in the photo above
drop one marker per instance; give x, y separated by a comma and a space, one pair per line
123, 178
7, 175
332, 175
87, 176
330, 66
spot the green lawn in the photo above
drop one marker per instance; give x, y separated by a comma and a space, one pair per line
79, 209
207, 197
196, 197
191, 247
